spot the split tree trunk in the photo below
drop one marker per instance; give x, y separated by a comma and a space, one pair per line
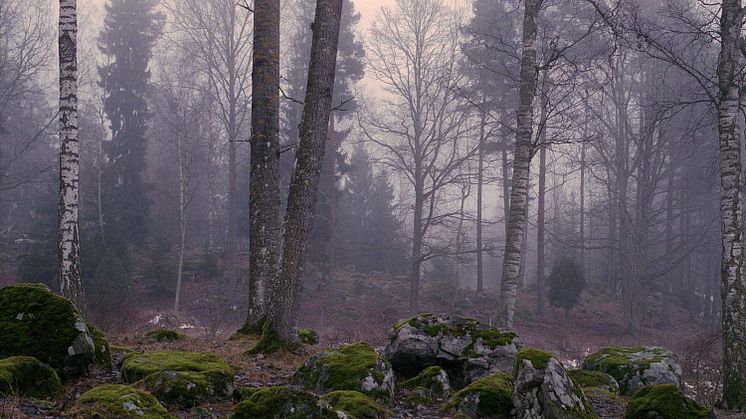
68, 240
304, 185
733, 288
264, 200
521, 168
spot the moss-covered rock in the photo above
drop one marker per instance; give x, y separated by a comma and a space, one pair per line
462, 346
634, 368
120, 402
434, 378
351, 367
543, 389
28, 377
489, 397
355, 405
36, 322
180, 378
244, 393
282, 403
164, 335
594, 379
664, 401
102, 356
419, 396
308, 336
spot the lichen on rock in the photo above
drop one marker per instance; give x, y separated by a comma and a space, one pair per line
664, 401
488, 397
462, 346
543, 389
634, 368
118, 401
36, 322
350, 367
26, 376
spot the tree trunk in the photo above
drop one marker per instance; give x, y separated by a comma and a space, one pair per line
68, 243
582, 204
480, 185
182, 225
264, 201
540, 226
331, 250
521, 168
304, 185
416, 262
232, 220
733, 291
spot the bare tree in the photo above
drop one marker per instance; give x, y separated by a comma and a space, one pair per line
71, 282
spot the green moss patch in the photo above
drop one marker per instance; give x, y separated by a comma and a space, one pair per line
28, 377
281, 403
187, 388
351, 367
628, 365
487, 397
538, 358
103, 352
36, 322
308, 336
119, 401
138, 366
164, 335
355, 404
664, 401
434, 378
594, 379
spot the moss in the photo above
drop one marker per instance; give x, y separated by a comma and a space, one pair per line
429, 378
118, 401
355, 404
244, 393
664, 401
271, 342
138, 366
103, 352
412, 321
27, 376
342, 369
493, 338
188, 388
250, 329
538, 358
617, 362
589, 379
164, 335
281, 403
308, 336
36, 322
495, 395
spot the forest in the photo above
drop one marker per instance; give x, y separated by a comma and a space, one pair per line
372, 209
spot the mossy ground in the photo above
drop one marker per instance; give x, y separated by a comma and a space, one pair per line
664, 401
495, 395
138, 366
539, 359
165, 335
281, 403
27, 376
355, 404
118, 401
28, 314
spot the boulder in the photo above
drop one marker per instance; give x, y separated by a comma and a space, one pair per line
594, 379
36, 322
664, 401
28, 377
434, 378
488, 397
465, 348
180, 378
282, 403
102, 356
634, 368
543, 389
350, 367
118, 401
354, 405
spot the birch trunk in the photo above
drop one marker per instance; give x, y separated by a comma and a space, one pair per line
182, 225
540, 226
480, 186
264, 200
733, 288
304, 185
521, 168
71, 283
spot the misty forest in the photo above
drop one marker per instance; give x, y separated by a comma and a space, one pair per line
372, 209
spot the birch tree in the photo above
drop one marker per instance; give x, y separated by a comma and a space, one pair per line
71, 282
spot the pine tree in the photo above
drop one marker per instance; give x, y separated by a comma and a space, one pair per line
131, 28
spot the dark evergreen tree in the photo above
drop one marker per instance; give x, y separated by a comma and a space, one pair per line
131, 28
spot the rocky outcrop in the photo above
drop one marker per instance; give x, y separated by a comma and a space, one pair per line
664, 401
354, 367
463, 347
634, 368
28, 377
36, 322
543, 389
588, 379
488, 397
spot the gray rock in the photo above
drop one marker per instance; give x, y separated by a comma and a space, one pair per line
634, 368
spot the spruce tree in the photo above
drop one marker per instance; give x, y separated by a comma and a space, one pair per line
131, 28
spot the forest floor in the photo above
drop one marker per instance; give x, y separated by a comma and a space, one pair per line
364, 307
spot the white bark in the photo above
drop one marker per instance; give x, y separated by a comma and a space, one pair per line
71, 283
